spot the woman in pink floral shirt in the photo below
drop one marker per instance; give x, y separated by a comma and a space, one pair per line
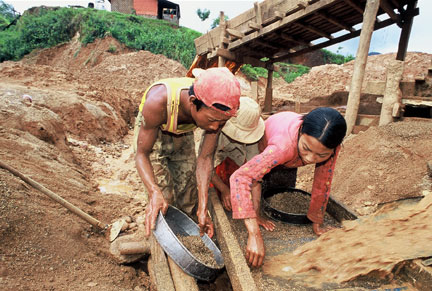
292, 140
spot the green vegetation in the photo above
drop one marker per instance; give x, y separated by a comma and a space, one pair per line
288, 72
332, 58
203, 14
48, 27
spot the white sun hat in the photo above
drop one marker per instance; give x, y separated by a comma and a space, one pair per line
247, 126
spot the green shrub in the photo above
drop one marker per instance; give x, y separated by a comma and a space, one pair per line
338, 59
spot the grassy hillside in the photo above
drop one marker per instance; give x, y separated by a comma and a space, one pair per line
47, 27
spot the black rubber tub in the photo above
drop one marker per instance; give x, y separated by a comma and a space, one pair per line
292, 218
176, 222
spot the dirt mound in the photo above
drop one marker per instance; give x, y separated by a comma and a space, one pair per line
384, 164
327, 79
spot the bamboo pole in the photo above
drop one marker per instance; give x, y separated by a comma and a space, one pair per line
369, 17
90, 219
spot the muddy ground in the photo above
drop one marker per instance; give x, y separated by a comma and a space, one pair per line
66, 115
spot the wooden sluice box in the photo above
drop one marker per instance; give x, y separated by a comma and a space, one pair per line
232, 237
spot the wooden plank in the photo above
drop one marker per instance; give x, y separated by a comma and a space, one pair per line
360, 63
160, 272
235, 262
287, 20
339, 39
182, 281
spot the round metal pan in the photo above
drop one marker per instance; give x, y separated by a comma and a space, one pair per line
292, 218
175, 222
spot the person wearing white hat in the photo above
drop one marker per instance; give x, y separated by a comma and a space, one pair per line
237, 144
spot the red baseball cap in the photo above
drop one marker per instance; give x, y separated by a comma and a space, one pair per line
217, 85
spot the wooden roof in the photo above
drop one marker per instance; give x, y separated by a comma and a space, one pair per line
281, 29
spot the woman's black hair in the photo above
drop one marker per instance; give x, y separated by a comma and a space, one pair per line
198, 103
325, 124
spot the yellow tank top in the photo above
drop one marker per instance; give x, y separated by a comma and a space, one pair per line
174, 87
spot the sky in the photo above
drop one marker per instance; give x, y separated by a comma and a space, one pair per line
383, 41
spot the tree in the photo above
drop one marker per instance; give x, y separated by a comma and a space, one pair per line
203, 14
7, 11
216, 21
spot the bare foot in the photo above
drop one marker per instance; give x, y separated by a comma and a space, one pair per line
266, 223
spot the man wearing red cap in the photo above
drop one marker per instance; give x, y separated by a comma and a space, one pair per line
165, 149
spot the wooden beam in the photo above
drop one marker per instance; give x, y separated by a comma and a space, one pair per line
322, 4
314, 30
302, 4
360, 63
386, 6
159, 270
182, 281
292, 39
354, 5
235, 262
220, 52
406, 31
266, 44
279, 15
254, 26
335, 21
339, 39
235, 33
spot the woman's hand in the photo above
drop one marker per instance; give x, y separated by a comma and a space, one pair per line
157, 202
255, 245
319, 229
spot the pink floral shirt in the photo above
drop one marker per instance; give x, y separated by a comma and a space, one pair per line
281, 148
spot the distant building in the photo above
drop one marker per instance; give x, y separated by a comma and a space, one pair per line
158, 9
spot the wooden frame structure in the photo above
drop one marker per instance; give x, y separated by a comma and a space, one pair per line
277, 30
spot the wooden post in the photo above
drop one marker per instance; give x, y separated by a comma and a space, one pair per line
369, 17
269, 91
392, 94
222, 26
405, 33
254, 89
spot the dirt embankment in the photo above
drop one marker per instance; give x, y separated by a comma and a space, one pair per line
73, 136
